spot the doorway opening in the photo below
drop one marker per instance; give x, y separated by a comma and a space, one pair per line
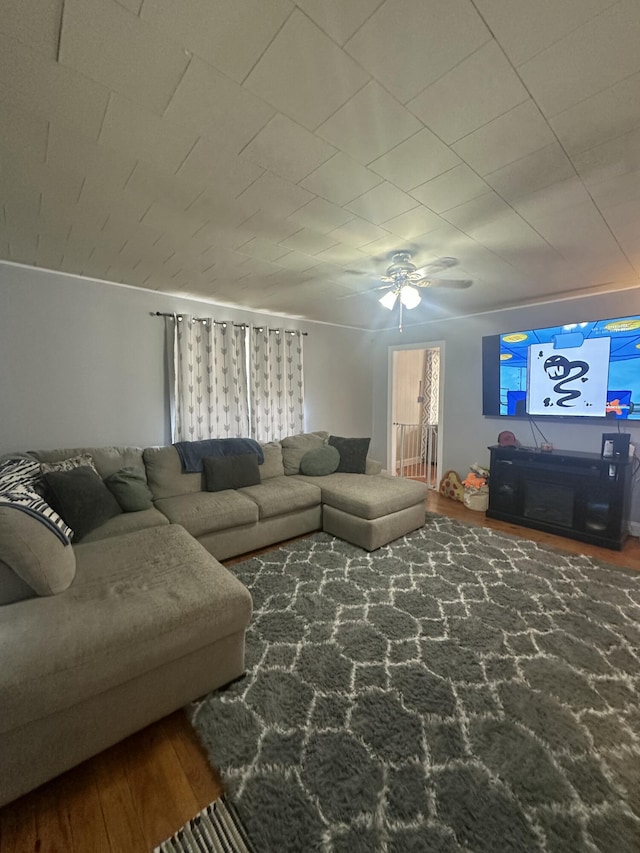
415, 433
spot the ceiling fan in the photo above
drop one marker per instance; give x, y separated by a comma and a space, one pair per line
403, 279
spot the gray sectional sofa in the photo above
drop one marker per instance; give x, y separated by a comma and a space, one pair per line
100, 638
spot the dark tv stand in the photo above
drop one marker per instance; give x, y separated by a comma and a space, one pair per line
580, 495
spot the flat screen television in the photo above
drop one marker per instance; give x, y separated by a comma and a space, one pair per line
580, 370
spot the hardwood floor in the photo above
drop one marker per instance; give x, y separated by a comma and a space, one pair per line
139, 792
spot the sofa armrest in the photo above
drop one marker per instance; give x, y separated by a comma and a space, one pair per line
373, 466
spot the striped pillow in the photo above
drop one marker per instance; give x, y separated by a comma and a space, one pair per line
18, 478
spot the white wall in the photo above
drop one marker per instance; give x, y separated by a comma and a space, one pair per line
83, 364
466, 432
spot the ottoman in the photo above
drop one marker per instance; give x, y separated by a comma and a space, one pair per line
370, 510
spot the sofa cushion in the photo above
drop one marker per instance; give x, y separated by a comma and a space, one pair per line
205, 512
368, 496
37, 556
280, 495
139, 601
272, 465
294, 448
231, 472
81, 498
129, 487
107, 460
165, 475
128, 522
320, 461
12, 587
353, 454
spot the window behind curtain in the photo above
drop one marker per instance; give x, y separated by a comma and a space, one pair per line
228, 381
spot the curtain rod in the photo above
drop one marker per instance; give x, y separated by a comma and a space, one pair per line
226, 323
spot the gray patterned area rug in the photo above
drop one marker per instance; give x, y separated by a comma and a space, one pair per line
458, 690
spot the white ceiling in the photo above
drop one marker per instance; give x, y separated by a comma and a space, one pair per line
272, 154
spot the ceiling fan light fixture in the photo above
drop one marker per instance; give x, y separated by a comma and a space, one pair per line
389, 299
410, 296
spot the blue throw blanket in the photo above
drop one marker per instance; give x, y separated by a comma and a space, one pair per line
193, 452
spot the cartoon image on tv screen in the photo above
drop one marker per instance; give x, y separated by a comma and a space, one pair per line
581, 369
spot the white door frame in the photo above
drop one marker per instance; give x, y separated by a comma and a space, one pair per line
391, 446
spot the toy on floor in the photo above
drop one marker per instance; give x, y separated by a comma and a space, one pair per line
451, 486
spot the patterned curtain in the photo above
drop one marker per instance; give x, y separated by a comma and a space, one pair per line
277, 386
211, 383
431, 394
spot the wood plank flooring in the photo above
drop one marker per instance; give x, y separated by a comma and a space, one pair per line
139, 792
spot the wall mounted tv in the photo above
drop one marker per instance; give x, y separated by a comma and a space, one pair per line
585, 370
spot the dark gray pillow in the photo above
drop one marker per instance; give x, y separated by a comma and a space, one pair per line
81, 498
129, 487
231, 472
320, 461
353, 454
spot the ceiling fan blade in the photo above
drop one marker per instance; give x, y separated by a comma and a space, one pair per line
451, 283
438, 266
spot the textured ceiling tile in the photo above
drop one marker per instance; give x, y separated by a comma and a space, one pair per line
338, 19
273, 195
225, 33
263, 249
616, 191
415, 161
616, 157
525, 28
50, 89
153, 185
369, 124
508, 138
454, 187
308, 241
479, 89
296, 261
220, 171
109, 44
24, 136
593, 57
476, 212
532, 173
269, 227
413, 223
604, 116
546, 203
163, 217
339, 254
130, 128
358, 232
217, 107
70, 152
33, 22
304, 75
408, 44
381, 203
321, 215
287, 149
340, 180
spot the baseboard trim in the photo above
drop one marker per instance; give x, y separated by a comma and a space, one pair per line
634, 528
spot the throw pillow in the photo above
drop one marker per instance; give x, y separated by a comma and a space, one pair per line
129, 487
231, 472
42, 563
294, 448
83, 459
353, 454
320, 461
81, 498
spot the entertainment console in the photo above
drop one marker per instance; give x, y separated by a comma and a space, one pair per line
580, 495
